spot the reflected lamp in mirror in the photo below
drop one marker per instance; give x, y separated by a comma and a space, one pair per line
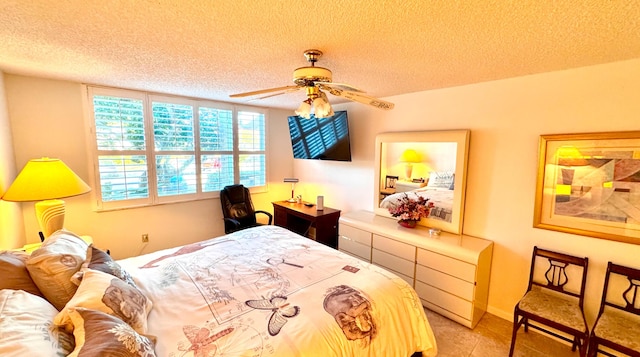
293, 182
409, 157
46, 180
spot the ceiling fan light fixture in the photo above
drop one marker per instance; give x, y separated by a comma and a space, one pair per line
321, 106
304, 110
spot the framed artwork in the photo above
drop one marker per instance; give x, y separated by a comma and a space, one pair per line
391, 181
589, 184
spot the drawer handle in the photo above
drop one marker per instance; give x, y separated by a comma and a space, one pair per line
347, 238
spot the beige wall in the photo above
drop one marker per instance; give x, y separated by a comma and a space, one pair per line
506, 119
47, 120
11, 228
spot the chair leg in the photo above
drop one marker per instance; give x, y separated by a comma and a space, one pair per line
583, 348
514, 333
592, 351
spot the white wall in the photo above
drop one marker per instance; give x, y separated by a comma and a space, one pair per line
11, 228
47, 120
506, 119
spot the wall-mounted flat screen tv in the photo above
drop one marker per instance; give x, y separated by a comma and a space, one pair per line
321, 139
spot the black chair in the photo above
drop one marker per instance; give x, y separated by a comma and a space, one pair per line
238, 210
618, 324
554, 298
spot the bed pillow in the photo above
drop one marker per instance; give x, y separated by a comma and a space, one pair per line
106, 293
27, 329
99, 334
441, 180
14, 273
52, 266
100, 260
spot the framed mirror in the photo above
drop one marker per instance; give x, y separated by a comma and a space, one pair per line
430, 164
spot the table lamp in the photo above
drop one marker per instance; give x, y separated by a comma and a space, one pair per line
409, 157
46, 180
293, 187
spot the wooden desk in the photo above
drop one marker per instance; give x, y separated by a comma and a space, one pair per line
299, 218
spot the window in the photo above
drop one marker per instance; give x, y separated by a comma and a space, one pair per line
152, 149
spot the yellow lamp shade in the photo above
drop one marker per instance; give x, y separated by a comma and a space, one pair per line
409, 155
45, 179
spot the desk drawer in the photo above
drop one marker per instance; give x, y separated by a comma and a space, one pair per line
392, 262
399, 249
447, 265
456, 305
355, 234
448, 283
347, 244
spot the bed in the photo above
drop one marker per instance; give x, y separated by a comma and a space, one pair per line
439, 190
263, 291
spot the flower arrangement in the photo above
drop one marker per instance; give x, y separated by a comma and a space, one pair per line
408, 209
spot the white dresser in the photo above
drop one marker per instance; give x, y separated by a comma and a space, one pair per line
450, 273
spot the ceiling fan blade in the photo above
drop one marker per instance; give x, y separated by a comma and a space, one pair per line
293, 89
263, 91
358, 97
342, 86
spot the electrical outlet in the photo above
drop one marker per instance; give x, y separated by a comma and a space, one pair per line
145, 238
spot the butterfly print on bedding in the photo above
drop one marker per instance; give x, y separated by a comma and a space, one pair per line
201, 342
280, 311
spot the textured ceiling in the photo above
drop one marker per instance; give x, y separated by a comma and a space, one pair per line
214, 48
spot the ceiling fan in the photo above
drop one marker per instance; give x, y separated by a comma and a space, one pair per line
316, 81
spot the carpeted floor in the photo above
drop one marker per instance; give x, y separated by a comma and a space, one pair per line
492, 338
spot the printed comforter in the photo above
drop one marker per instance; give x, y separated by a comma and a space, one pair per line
269, 292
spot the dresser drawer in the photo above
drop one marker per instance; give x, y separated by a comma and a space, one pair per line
392, 262
407, 278
444, 300
355, 234
362, 251
399, 249
352, 255
448, 283
447, 265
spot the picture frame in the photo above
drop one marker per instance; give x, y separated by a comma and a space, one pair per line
589, 184
390, 181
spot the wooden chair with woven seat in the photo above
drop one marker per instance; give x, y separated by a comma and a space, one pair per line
618, 324
554, 299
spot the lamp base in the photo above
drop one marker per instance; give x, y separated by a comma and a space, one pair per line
408, 170
50, 214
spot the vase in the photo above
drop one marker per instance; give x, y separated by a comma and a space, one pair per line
408, 223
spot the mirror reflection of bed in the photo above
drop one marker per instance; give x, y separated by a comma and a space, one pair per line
431, 164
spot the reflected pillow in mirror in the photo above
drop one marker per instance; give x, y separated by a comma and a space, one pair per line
441, 180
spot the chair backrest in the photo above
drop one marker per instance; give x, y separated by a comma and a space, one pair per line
562, 273
236, 204
621, 289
